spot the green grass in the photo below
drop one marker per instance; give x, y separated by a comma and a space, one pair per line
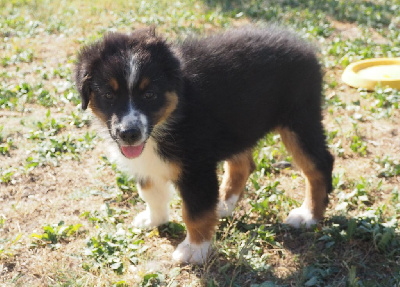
53, 235
384, 101
54, 169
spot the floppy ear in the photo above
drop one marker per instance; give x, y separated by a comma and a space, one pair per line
82, 79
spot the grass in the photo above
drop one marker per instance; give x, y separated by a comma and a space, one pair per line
65, 211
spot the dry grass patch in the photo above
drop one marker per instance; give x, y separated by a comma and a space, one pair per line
65, 211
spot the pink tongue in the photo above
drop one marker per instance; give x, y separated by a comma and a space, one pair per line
132, 151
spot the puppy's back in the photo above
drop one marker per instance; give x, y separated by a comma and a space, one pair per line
245, 72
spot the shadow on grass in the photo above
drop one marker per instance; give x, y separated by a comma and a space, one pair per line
343, 252
347, 252
360, 11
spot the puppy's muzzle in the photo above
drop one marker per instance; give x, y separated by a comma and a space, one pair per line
130, 135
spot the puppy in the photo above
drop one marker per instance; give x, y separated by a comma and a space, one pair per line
174, 111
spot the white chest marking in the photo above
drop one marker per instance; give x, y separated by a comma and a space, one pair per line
147, 165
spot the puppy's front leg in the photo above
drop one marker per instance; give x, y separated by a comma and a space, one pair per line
199, 191
157, 194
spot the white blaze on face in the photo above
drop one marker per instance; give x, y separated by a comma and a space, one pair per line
133, 72
133, 121
134, 117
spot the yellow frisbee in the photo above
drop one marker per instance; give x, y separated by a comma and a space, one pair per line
371, 72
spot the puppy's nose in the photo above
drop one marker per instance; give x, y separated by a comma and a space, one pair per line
131, 135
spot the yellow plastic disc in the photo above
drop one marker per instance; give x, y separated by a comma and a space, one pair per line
369, 73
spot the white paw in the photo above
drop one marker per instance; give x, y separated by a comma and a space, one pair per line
226, 207
187, 252
146, 219
301, 216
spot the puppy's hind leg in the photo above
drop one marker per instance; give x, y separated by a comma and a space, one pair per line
308, 147
237, 170
157, 195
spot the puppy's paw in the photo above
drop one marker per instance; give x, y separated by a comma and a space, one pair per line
226, 207
301, 216
147, 220
187, 252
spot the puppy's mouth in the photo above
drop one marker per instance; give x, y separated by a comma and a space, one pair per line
132, 151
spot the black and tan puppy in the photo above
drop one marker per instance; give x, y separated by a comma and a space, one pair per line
174, 111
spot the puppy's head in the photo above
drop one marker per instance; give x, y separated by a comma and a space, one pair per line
131, 83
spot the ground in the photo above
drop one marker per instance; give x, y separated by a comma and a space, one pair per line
66, 211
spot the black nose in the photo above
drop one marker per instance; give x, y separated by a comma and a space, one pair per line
131, 135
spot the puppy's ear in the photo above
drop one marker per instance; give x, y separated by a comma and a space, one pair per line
82, 79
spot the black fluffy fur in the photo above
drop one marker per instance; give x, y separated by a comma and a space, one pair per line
233, 88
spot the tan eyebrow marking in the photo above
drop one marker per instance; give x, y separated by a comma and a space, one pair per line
114, 84
144, 83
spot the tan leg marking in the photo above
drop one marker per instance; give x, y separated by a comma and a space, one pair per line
237, 170
316, 193
202, 228
145, 183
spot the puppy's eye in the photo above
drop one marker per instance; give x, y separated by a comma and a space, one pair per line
149, 96
109, 97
